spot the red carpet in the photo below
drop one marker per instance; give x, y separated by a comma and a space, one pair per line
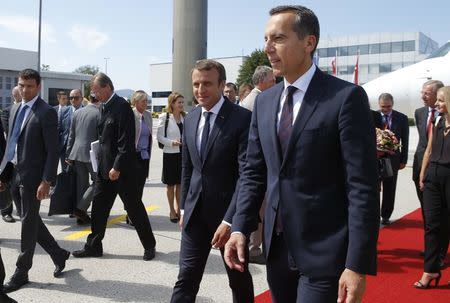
399, 266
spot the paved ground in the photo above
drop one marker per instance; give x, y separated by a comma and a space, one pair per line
121, 275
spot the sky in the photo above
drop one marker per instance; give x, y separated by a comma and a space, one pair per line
135, 33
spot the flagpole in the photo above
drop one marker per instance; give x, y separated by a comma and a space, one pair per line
39, 36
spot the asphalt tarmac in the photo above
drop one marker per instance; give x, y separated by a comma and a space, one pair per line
121, 275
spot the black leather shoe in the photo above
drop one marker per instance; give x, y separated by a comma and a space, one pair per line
8, 219
81, 216
15, 283
259, 259
149, 254
386, 222
5, 299
87, 253
60, 267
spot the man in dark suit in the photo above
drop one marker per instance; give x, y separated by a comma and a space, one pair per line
83, 131
312, 146
214, 147
398, 124
425, 118
3, 297
30, 163
116, 171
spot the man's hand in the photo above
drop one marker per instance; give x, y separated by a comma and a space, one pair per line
235, 252
176, 143
70, 162
221, 236
402, 165
351, 287
43, 190
114, 174
2, 186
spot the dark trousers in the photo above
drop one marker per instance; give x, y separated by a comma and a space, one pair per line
195, 248
33, 230
84, 190
436, 202
443, 237
2, 273
141, 174
8, 195
388, 199
105, 193
288, 285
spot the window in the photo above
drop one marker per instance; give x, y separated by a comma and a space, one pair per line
1, 100
158, 108
342, 70
8, 83
374, 48
385, 48
353, 50
8, 101
397, 47
342, 51
385, 68
1, 82
322, 53
161, 94
374, 68
363, 49
16, 81
409, 46
396, 66
331, 51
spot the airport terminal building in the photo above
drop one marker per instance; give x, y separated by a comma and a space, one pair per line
14, 60
379, 54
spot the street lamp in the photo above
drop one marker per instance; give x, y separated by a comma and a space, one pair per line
106, 64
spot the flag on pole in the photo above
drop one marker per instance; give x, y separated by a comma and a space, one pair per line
356, 71
333, 67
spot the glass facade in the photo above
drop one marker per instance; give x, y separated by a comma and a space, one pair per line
364, 49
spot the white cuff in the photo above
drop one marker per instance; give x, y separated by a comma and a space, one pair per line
182, 212
226, 223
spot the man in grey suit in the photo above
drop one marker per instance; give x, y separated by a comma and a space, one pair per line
30, 164
83, 131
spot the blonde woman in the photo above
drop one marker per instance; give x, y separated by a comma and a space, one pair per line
170, 130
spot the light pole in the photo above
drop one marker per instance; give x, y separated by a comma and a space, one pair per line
106, 64
39, 36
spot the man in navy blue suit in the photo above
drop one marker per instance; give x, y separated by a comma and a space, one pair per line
214, 146
312, 146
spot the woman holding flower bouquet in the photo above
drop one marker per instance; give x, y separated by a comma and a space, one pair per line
435, 183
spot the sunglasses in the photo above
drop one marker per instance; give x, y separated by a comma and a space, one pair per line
74, 98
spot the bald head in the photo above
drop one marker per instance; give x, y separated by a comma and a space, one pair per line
76, 97
16, 94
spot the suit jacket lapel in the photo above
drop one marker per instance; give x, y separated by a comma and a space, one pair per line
12, 118
191, 137
218, 124
307, 108
30, 114
274, 109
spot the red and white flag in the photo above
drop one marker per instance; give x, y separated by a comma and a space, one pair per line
356, 71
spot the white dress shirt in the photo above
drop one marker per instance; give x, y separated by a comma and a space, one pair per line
301, 84
201, 124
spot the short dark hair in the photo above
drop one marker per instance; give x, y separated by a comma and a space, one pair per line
232, 85
306, 22
29, 73
386, 97
61, 93
208, 64
103, 80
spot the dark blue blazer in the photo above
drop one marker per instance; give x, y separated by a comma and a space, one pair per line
213, 181
325, 186
400, 127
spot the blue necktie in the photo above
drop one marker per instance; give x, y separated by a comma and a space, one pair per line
12, 141
205, 135
285, 127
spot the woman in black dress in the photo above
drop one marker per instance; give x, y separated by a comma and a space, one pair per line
170, 131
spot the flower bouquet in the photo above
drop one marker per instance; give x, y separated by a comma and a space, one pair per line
387, 141
387, 144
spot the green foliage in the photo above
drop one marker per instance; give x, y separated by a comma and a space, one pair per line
88, 70
411, 122
256, 58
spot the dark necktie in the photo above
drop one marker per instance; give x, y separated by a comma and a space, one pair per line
205, 135
431, 122
12, 141
386, 121
285, 127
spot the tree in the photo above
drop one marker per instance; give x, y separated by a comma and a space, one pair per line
88, 70
256, 58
